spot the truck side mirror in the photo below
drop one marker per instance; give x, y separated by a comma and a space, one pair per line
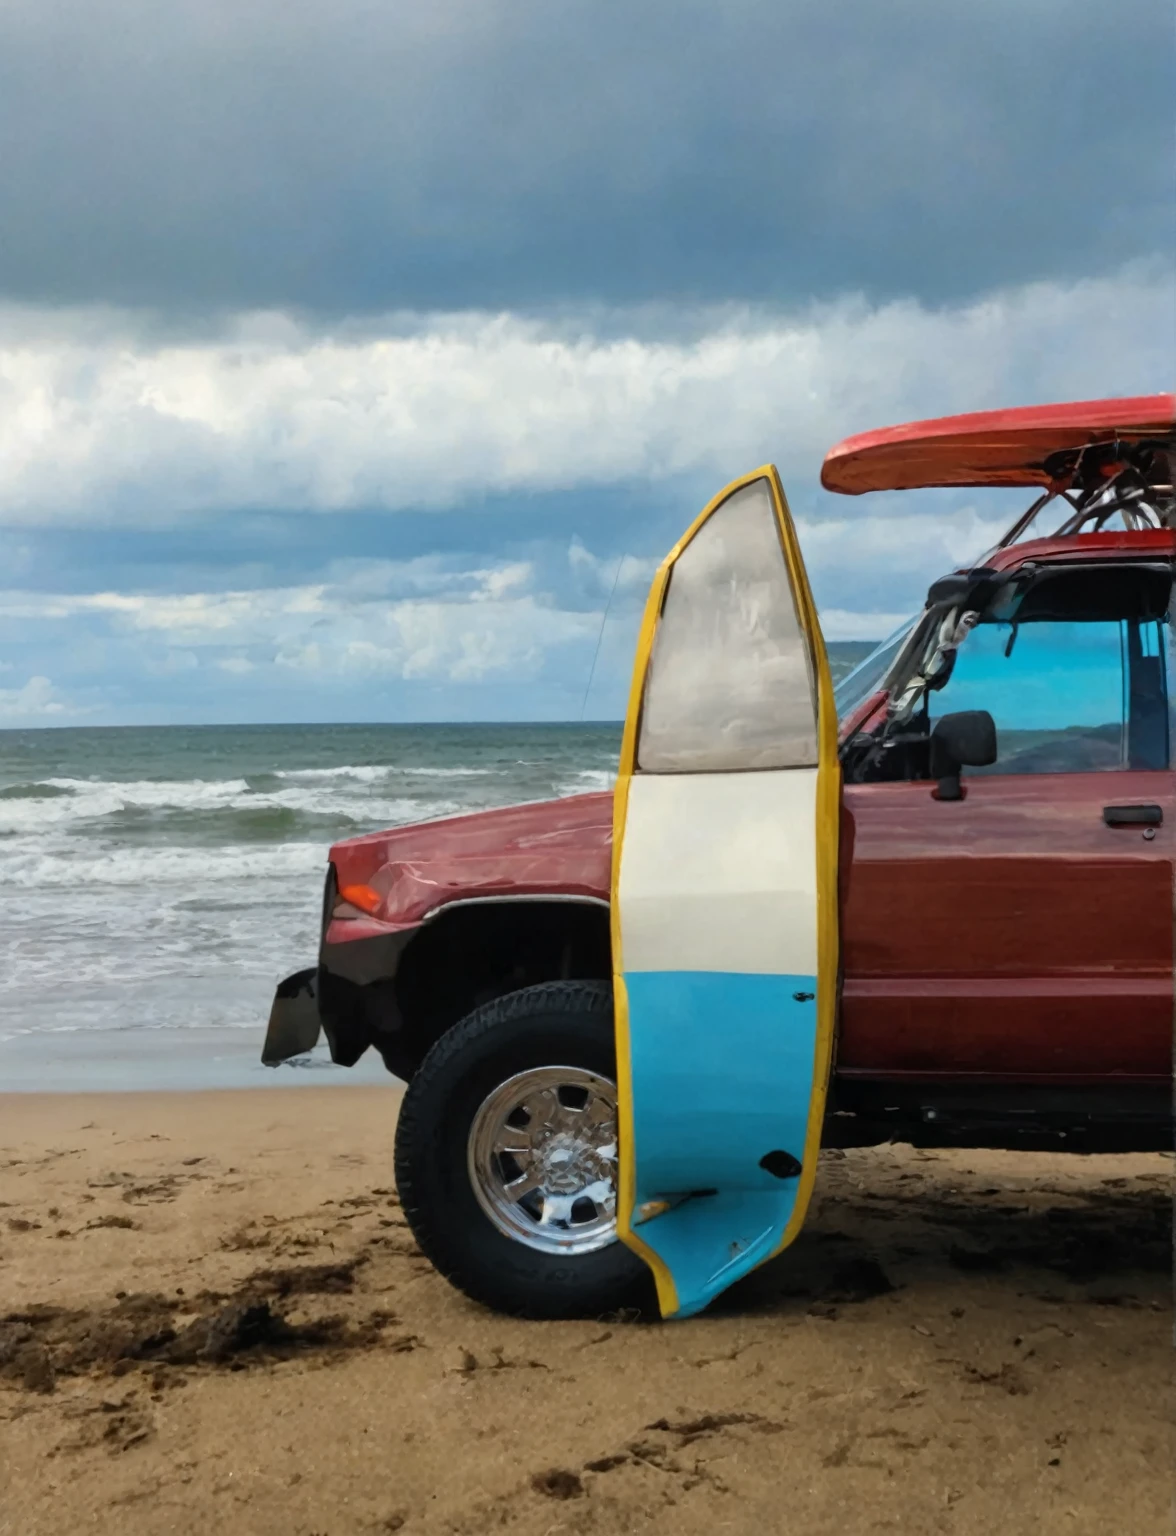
965, 739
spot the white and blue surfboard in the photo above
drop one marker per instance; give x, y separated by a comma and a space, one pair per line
724, 902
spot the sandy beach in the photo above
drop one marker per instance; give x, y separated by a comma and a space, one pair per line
215, 1320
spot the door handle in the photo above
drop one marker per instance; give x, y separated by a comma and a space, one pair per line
1133, 815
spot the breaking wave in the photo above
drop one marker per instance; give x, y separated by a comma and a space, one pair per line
207, 812
362, 775
32, 792
33, 867
589, 780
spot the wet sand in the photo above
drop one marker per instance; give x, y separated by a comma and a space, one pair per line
215, 1320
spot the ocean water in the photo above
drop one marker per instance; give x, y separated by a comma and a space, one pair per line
159, 881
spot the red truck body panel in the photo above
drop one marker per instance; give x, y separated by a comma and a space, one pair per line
1008, 936
550, 848
1011, 934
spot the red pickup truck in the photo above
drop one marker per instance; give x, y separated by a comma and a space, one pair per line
935, 906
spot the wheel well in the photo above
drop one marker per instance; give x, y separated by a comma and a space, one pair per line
471, 954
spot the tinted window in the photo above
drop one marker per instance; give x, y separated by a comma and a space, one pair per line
1067, 697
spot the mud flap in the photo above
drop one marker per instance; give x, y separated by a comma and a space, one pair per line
294, 1023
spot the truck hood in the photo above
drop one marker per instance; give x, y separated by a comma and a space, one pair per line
546, 848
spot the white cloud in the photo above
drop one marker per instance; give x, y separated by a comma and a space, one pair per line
504, 580
171, 663
101, 421
480, 623
836, 624
605, 577
37, 698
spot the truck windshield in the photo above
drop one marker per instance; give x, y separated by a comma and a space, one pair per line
866, 677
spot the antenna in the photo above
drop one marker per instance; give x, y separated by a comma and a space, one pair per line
600, 636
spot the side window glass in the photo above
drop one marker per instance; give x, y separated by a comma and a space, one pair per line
1067, 697
730, 681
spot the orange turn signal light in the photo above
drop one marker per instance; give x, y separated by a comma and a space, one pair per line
362, 896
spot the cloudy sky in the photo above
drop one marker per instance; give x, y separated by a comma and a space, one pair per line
356, 356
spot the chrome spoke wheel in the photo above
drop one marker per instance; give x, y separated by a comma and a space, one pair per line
543, 1159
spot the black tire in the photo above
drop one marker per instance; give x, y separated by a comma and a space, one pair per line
565, 1023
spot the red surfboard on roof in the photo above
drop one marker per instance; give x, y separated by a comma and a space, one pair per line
1008, 447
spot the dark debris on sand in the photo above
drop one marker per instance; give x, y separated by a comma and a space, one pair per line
40, 1343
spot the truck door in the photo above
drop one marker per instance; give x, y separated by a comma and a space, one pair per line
1034, 942
724, 901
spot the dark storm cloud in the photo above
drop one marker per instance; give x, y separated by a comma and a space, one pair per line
347, 154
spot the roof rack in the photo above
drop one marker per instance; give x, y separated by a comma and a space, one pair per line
1131, 481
